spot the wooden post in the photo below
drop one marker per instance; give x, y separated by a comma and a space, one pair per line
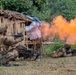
26, 41
34, 44
41, 47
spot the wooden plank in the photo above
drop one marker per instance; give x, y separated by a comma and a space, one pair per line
46, 43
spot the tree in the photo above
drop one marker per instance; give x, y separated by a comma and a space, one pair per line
43, 9
39, 4
66, 8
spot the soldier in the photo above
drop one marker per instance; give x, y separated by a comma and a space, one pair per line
62, 51
5, 46
73, 52
27, 53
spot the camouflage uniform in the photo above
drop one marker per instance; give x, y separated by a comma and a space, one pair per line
61, 52
12, 55
6, 44
6, 51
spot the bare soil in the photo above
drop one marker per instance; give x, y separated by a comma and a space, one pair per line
42, 66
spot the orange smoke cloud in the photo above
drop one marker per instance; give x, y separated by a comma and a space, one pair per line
60, 27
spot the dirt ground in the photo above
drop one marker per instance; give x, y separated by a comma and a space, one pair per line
42, 66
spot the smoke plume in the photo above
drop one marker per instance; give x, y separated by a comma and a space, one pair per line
61, 28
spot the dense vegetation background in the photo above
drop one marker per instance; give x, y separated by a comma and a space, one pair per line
43, 9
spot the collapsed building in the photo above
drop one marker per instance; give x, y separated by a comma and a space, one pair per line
16, 23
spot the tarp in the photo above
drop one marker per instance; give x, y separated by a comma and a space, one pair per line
33, 30
33, 18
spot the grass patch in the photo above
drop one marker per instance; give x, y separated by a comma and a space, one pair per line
47, 66
73, 46
54, 47
50, 48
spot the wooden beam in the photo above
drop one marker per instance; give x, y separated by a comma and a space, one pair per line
46, 43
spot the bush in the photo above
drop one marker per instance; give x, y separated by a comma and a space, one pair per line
51, 48
55, 47
73, 46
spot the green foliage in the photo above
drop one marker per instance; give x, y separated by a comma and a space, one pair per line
51, 48
1, 5
43, 9
66, 8
17, 5
54, 47
73, 46
39, 4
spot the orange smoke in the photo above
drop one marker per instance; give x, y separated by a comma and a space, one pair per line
60, 27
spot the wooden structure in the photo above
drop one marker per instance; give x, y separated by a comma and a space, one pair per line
35, 44
16, 23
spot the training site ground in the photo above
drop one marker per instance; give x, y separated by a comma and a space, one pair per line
44, 66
